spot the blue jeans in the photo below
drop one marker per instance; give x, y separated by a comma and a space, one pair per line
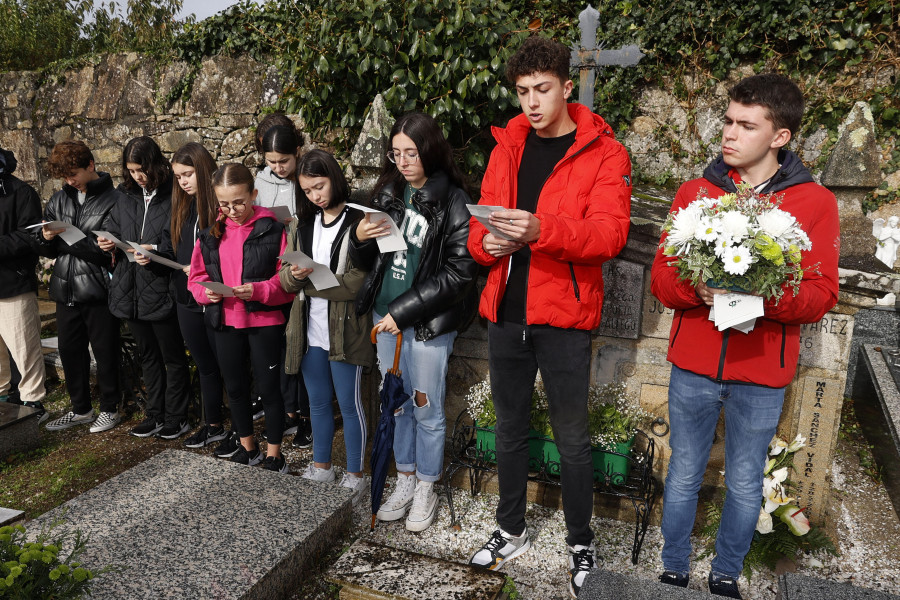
751, 417
420, 430
323, 378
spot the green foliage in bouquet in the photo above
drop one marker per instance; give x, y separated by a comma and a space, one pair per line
43, 570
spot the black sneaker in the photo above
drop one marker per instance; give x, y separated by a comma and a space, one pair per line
229, 446
290, 425
146, 428
174, 431
245, 457
723, 585
256, 409
304, 436
205, 436
675, 578
39, 407
275, 463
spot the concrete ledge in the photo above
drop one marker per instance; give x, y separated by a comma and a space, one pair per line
369, 571
9, 516
800, 587
186, 526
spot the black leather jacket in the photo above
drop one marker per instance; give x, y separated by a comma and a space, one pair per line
81, 272
142, 292
20, 206
443, 296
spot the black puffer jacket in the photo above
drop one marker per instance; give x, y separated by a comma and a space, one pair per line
81, 273
189, 235
443, 296
141, 292
261, 248
20, 206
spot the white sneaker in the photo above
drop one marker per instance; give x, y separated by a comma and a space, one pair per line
70, 419
356, 484
105, 421
315, 473
500, 548
424, 507
582, 560
396, 505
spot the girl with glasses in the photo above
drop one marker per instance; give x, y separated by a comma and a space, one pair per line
426, 292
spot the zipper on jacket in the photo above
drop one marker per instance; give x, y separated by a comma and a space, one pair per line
783, 341
575, 283
677, 329
722, 354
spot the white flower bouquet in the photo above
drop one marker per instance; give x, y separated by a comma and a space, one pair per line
740, 241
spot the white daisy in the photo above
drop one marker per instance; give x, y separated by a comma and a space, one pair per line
737, 260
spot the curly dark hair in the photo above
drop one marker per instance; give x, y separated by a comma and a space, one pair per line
538, 55
780, 96
68, 156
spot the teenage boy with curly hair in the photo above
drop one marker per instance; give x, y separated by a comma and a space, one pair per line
80, 286
564, 183
743, 373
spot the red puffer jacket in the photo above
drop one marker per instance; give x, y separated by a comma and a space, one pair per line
767, 355
584, 209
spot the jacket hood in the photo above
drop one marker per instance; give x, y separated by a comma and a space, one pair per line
791, 172
271, 178
588, 125
259, 212
8, 163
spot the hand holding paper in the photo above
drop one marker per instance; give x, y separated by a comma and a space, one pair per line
66, 231
217, 288
482, 213
321, 276
138, 249
391, 242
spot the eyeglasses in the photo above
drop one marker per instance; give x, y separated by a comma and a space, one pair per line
395, 157
238, 206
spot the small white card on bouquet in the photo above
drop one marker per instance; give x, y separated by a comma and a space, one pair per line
738, 311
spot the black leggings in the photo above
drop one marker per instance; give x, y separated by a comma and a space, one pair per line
201, 342
261, 346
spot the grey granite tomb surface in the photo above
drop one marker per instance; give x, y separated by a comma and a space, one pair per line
19, 429
800, 587
605, 585
186, 526
372, 571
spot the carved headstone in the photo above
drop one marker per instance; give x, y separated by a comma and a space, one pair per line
623, 286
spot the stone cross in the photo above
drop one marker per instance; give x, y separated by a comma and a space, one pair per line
588, 57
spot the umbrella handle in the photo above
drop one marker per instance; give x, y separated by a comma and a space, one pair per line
396, 369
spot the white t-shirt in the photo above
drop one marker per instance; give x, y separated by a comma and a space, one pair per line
324, 237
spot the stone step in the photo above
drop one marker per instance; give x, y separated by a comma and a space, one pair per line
604, 585
19, 429
369, 571
187, 526
10, 516
800, 587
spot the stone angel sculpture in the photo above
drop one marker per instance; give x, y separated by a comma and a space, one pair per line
888, 237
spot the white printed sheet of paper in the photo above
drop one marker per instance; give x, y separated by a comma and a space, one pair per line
138, 249
321, 277
70, 234
218, 287
391, 242
482, 212
119, 243
737, 311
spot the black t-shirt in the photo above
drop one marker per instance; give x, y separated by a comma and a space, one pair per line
539, 158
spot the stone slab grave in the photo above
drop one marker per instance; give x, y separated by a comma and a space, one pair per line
186, 526
876, 400
800, 587
19, 430
369, 571
605, 585
9, 516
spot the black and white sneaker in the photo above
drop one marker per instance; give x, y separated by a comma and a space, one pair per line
206, 435
256, 409
675, 578
173, 431
723, 585
275, 463
304, 436
500, 548
245, 457
70, 419
229, 446
146, 428
290, 425
105, 421
582, 560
